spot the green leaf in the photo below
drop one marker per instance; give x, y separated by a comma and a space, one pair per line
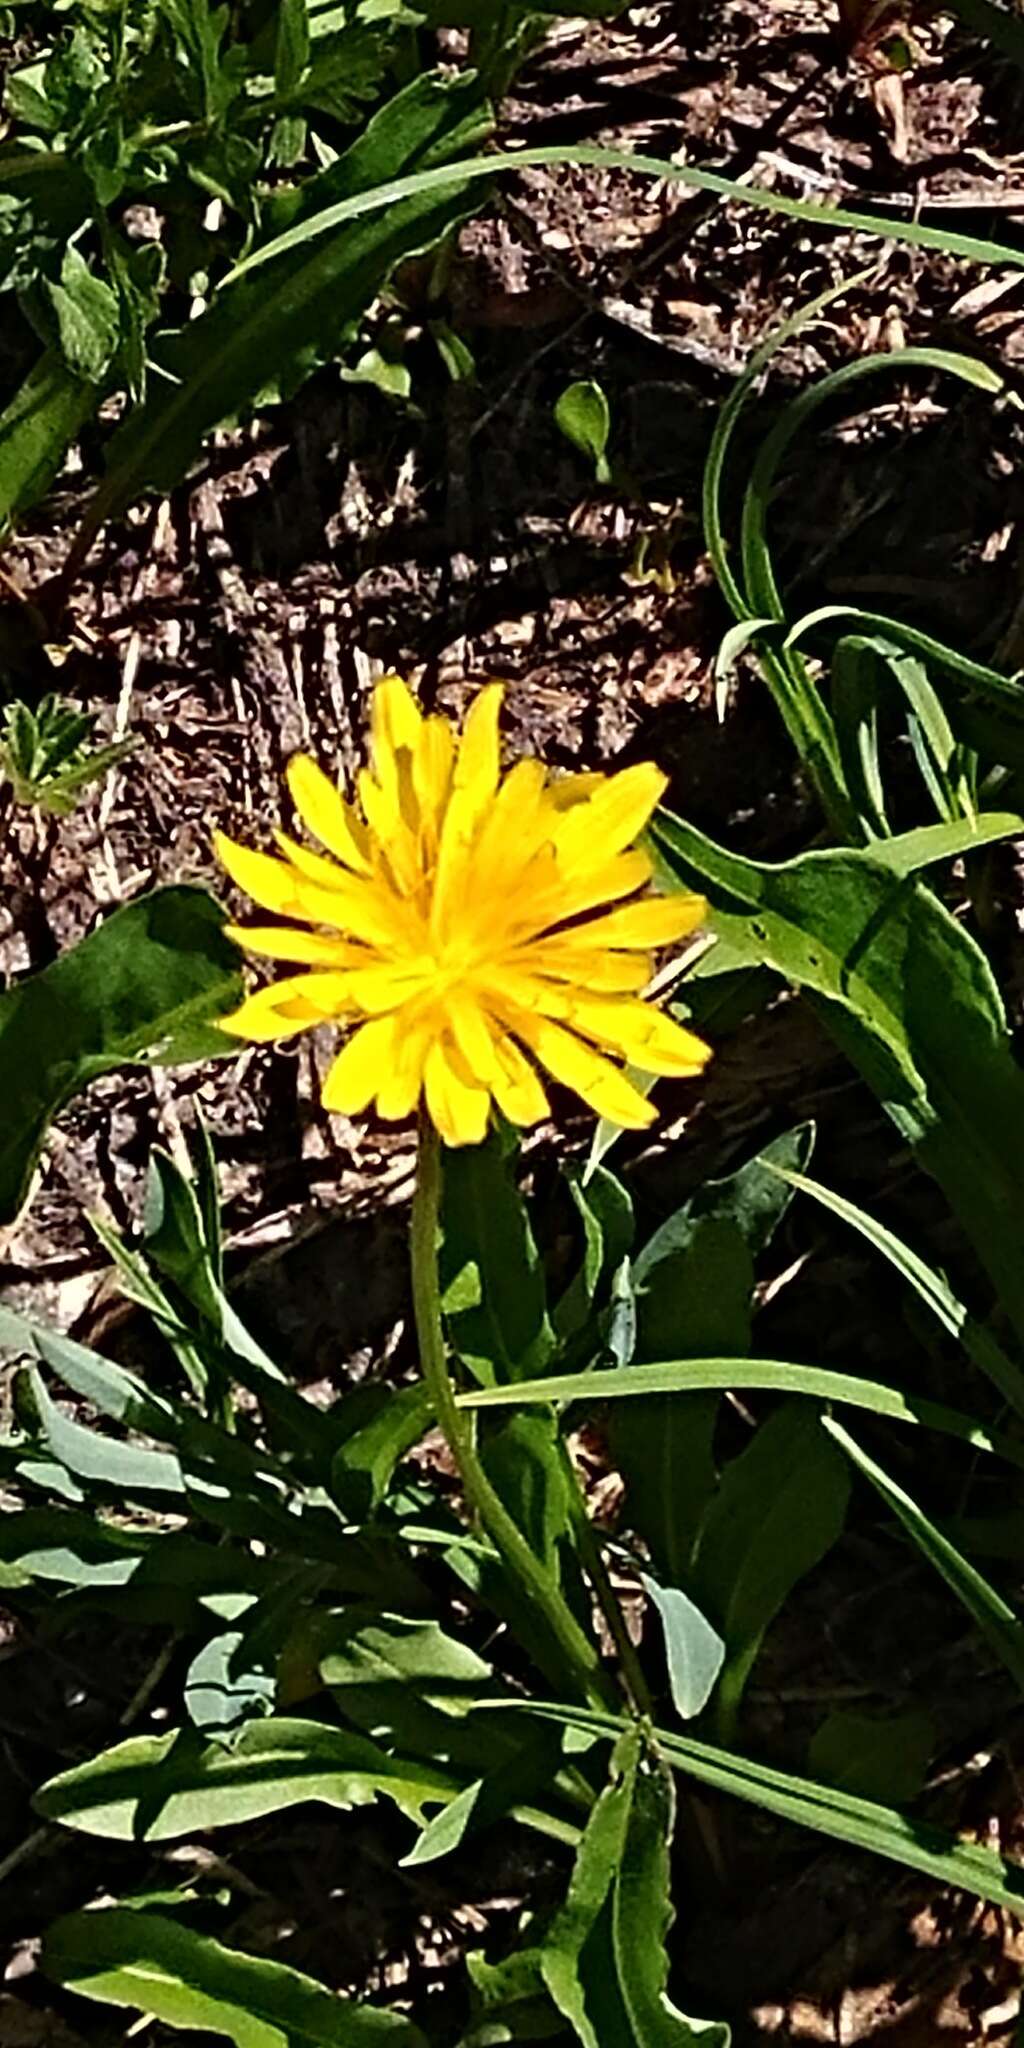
141, 1960
393, 379
776, 1376
147, 985
694, 1284
1001, 1627
291, 50
226, 1684
363, 1466
491, 1276
877, 1756
120, 1468
929, 1286
909, 997
88, 317
267, 334
154, 1788
695, 1298
606, 1215
37, 428
642, 1916
445, 1832
71, 1548
582, 413
603, 1958
748, 1198
779, 1508
694, 1651
826, 1810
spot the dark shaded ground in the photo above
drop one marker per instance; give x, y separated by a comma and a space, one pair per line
249, 613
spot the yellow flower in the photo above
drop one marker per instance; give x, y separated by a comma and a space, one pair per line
455, 915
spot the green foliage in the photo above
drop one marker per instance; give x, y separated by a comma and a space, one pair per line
148, 984
343, 1625
908, 995
48, 757
189, 1980
583, 414
877, 1756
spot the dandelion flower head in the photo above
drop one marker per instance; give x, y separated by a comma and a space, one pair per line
477, 931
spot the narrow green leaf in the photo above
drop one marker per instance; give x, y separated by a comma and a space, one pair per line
165, 1970
37, 428
1000, 1626
833, 219
930, 1287
825, 1809
697, 1375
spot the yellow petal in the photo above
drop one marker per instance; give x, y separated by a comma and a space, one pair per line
383, 807
604, 1088
325, 873
277, 1011
432, 765
363, 1066
563, 961
387, 987
398, 1095
479, 761
623, 875
518, 1090
452, 877
517, 823
283, 942
642, 1034
613, 817
657, 921
395, 718
324, 813
268, 881
472, 1035
457, 1108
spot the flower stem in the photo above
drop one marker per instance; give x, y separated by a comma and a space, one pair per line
576, 1651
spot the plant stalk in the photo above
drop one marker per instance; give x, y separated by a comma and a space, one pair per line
576, 1652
